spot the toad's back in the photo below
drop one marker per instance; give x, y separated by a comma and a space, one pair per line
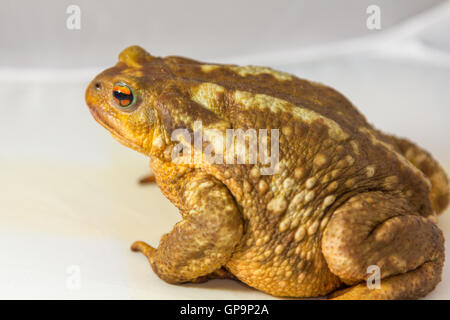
265, 81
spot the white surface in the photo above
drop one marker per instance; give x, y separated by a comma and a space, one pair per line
34, 33
69, 193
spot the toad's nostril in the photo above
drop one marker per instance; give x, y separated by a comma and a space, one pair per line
98, 85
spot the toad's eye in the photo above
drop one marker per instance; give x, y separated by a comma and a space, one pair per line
123, 95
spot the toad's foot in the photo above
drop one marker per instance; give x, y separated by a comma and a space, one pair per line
140, 246
147, 179
412, 284
149, 251
221, 273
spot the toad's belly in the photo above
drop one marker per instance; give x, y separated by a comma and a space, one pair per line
293, 273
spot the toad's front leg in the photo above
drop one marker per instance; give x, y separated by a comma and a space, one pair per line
204, 240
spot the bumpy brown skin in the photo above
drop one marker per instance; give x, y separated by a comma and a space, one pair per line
345, 196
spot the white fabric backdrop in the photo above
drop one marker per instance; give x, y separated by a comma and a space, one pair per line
69, 199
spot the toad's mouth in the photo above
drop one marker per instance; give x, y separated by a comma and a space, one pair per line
116, 134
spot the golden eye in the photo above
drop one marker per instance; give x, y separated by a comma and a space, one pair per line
123, 95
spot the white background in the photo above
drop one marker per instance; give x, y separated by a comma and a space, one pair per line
69, 199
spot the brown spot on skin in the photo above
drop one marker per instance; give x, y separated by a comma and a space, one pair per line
333, 186
341, 164
267, 253
298, 198
313, 228
309, 196
295, 222
284, 225
301, 276
320, 160
355, 147
254, 173
340, 149
307, 213
227, 174
262, 187
370, 171
350, 160
300, 234
328, 201
299, 172
350, 183
324, 223
310, 183
277, 205
247, 186
326, 178
288, 183
279, 249
286, 130
391, 180
335, 173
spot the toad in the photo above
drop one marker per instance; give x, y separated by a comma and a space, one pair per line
340, 199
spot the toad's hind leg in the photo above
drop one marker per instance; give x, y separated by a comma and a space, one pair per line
440, 192
376, 229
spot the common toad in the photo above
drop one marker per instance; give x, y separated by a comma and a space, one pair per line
342, 196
